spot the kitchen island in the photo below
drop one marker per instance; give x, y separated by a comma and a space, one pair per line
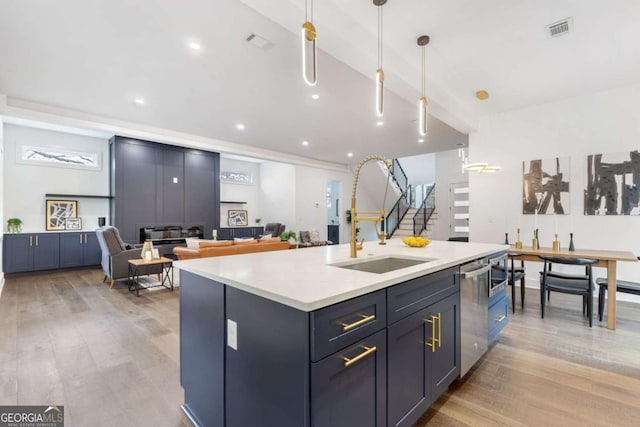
305, 338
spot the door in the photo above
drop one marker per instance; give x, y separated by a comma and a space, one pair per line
333, 211
445, 360
171, 200
46, 254
409, 388
348, 388
71, 249
92, 251
459, 209
18, 253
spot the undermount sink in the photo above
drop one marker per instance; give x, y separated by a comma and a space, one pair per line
382, 265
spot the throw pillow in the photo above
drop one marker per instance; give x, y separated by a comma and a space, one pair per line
265, 236
304, 237
192, 243
314, 236
270, 240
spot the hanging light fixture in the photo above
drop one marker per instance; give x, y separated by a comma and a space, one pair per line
422, 104
308, 37
379, 71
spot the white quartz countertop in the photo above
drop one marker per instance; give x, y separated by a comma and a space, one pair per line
305, 280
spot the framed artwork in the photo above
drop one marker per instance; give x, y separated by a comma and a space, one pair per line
58, 157
58, 211
238, 218
611, 186
545, 186
73, 224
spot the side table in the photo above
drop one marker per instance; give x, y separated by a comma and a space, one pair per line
134, 273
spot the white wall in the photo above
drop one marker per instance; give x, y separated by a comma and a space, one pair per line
605, 122
278, 194
420, 169
448, 171
249, 193
25, 185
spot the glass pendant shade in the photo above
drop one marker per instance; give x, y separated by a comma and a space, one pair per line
379, 92
309, 55
422, 116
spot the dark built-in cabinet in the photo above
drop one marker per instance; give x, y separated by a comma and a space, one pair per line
48, 251
377, 360
79, 249
30, 252
333, 233
156, 184
239, 232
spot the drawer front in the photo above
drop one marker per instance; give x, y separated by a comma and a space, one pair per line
498, 317
342, 324
408, 297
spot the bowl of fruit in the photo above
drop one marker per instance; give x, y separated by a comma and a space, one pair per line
416, 242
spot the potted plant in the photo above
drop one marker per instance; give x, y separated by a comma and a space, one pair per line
290, 236
258, 221
348, 212
14, 225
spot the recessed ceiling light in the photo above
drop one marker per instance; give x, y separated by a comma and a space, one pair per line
240, 126
482, 95
349, 154
379, 123
420, 141
195, 46
138, 101
305, 143
315, 96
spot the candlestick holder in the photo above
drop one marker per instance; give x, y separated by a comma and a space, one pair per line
556, 244
571, 247
534, 243
506, 238
518, 242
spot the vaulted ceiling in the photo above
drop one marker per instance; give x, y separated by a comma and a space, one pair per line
96, 57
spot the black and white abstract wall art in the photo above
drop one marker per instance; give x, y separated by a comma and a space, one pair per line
545, 186
612, 184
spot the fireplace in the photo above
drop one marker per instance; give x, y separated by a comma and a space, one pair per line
170, 234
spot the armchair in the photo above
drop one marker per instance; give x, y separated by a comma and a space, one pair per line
274, 228
116, 255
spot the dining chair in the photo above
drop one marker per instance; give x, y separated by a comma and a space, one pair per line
514, 274
621, 286
576, 284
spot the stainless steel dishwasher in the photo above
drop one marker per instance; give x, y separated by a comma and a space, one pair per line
475, 278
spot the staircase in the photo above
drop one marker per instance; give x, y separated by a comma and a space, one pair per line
406, 225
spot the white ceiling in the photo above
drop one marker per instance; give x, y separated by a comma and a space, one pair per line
95, 57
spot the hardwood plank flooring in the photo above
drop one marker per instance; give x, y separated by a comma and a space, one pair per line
113, 359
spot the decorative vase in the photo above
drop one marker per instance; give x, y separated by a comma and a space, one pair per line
571, 247
147, 251
506, 238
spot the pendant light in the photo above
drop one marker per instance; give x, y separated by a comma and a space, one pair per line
308, 37
379, 71
422, 104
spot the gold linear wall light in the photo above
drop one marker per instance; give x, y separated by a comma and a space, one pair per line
309, 51
422, 104
379, 71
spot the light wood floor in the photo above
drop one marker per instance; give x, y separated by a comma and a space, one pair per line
113, 359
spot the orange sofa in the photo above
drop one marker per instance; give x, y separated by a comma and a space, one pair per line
230, 247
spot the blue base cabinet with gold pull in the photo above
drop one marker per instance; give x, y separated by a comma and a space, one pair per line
30, 252
248, 360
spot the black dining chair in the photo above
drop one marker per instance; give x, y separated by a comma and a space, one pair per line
514, 274
576, 284
621, 286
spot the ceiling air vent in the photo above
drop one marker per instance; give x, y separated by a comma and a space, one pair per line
559, 28
259, 42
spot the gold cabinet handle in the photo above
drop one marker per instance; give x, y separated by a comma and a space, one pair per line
37, 240
367, 351
81, 239
501, 318
30, 240
85, 239
365, 319
439, 330
432, 344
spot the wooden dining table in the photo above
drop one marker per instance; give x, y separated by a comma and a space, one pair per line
606, 259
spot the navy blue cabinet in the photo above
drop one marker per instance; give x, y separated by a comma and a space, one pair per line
498, 314
231, 233
79, 249
30, 252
